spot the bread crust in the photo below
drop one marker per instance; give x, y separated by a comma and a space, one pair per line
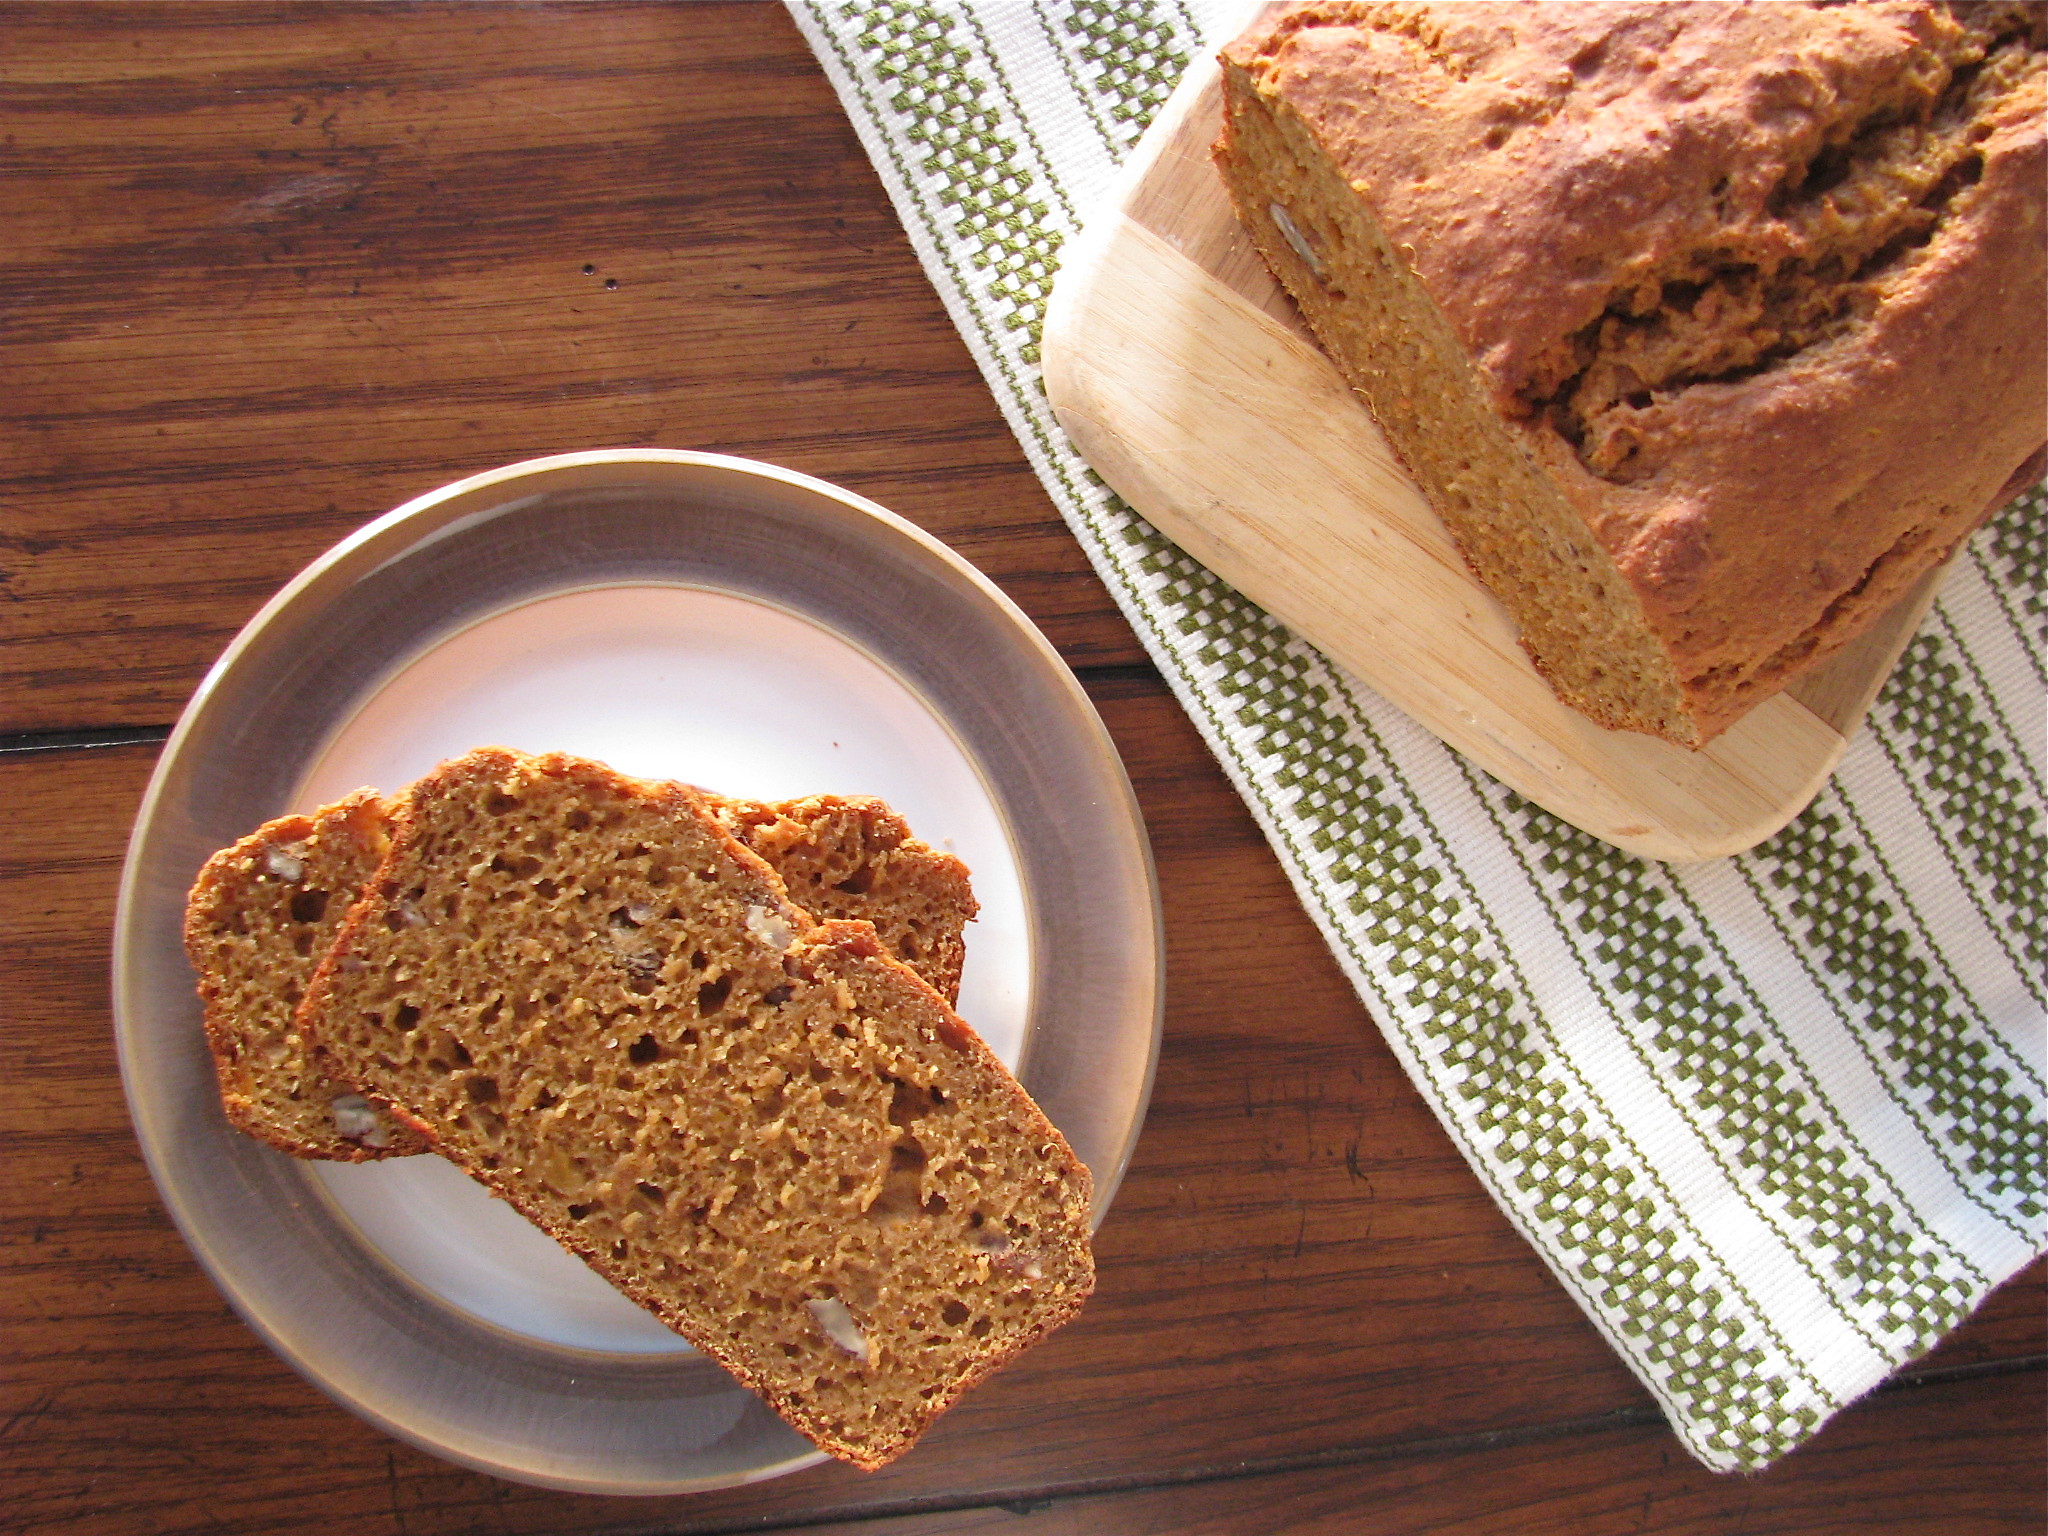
1724, 323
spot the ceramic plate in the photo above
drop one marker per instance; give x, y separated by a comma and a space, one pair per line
676, 615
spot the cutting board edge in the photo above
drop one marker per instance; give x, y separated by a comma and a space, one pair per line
1627, 826
1507, 748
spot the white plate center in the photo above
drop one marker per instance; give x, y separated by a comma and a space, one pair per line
662, 683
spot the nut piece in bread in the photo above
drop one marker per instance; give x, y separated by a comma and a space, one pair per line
853, 857
586, 993
1707, 329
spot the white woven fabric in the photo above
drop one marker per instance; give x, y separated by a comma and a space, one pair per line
1776, 1122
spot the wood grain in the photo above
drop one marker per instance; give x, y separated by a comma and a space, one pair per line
1298, 1265
1617, 1480
273, 270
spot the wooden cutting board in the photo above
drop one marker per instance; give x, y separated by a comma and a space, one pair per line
1181, 371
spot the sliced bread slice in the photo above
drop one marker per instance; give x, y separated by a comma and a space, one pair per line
262, 915
854, 857
259, 919
586, 993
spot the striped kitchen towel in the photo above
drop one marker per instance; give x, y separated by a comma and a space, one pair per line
1775, 1121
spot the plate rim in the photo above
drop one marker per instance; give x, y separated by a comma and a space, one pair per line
131, 980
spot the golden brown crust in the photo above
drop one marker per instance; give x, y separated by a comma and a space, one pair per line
764, 1130
1722, 324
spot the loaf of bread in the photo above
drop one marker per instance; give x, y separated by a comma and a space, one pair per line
262, 914
1708, 329
583, 990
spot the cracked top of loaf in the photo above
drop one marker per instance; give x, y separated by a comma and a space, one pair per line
1734, 267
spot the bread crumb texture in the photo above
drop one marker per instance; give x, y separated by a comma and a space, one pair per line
1708, 328
259, 919
853, 857
782, 1141
262, 915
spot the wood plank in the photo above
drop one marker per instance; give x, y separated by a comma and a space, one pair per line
1298, 1263
273, 270
1889, 1464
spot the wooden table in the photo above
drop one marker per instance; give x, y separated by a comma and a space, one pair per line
271, 270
